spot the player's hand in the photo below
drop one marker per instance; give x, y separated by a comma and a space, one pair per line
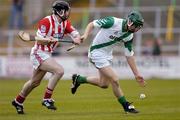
50, 41
77, 40
83, 37
141, 81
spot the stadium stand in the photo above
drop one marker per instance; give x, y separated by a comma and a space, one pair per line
155, 14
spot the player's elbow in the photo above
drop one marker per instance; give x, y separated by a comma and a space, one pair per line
129, 53
91, 25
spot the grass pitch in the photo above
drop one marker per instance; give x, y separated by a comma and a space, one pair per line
92, 103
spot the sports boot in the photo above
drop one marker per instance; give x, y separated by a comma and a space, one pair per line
49, 104
75, 84
19, 107
129, 108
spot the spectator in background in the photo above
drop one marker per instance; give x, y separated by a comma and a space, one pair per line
148, 46
157, 47
16, 15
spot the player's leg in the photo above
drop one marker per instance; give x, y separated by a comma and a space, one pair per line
27, 88
93, 80
33, 82
108, 73
57, 71
97, 81
100, 81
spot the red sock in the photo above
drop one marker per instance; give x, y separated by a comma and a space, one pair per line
48, 93
20, 99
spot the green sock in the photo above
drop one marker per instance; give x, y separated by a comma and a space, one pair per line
82, 79
122, 99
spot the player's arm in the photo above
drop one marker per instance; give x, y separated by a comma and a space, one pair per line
73, 33
43, 28
88, 30
100, 23
131, 61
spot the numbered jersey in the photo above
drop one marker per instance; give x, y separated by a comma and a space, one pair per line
50, 27
111, 33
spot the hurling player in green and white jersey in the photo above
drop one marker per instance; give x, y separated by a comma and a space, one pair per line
112, 31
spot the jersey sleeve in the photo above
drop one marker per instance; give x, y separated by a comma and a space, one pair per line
128, 48
106, 22
43, 27
71, 30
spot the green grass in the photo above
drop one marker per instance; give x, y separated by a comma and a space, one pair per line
92, 103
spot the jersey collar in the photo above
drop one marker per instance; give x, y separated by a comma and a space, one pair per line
55, 19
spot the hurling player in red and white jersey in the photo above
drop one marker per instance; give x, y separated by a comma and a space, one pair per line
55, 25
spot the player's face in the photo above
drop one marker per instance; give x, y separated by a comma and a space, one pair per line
66, 14
134, 28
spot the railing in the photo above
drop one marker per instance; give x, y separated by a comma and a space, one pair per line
157, 30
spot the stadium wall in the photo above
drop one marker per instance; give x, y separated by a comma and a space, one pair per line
160, 67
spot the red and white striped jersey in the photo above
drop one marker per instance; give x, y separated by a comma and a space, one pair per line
50, 27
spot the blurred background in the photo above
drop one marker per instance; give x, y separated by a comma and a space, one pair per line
156, 46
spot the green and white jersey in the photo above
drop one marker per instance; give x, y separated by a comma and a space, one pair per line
111, 33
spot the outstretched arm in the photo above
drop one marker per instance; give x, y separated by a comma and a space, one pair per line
106, 22
132, 64
131, 61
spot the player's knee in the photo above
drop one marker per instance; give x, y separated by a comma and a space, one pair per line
59, 73
104, 86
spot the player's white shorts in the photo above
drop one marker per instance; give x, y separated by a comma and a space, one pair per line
99, 59
100, 63
38, 56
